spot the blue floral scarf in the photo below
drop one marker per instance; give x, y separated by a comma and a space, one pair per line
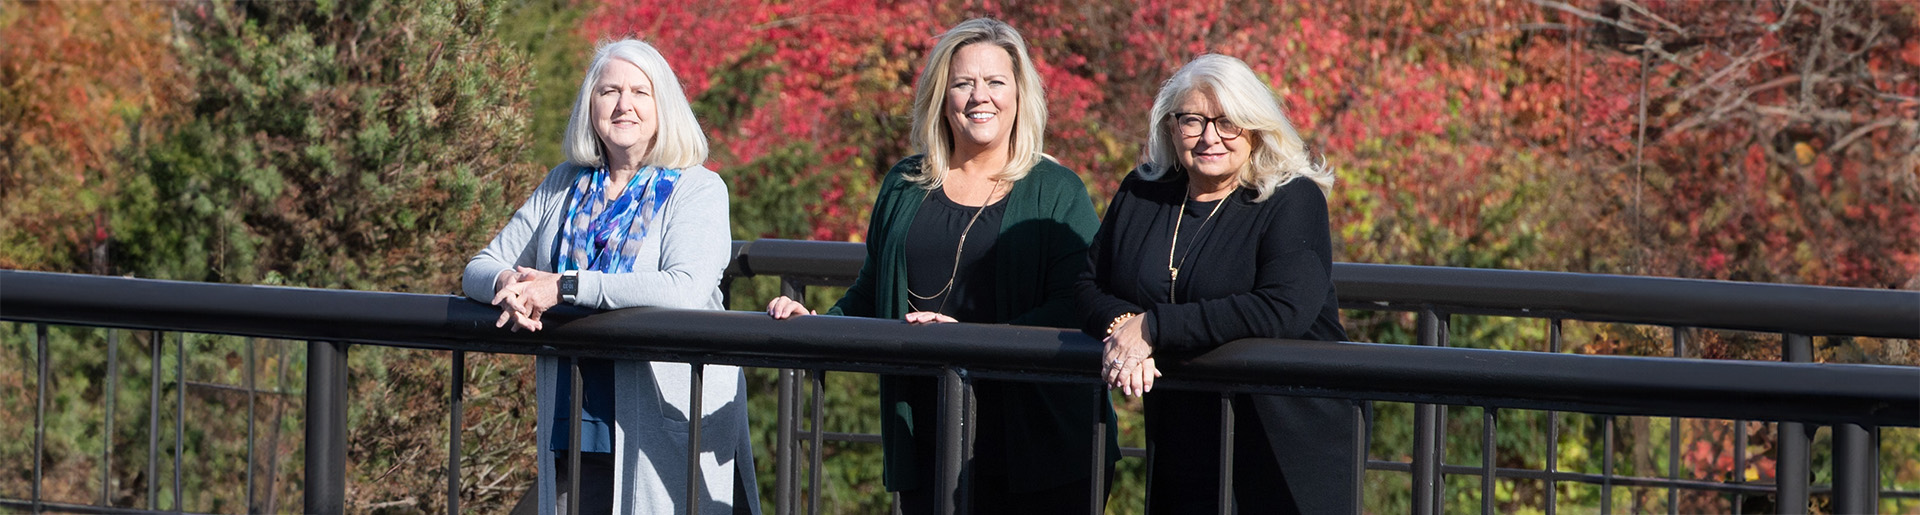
606, 236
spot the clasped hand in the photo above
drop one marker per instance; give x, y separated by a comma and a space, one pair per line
523, 294
1128, 363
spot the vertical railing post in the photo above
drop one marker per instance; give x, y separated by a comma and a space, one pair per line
951, 486
1856, 489
1488, 424
1427, 447
1606, 465
816, 453
1553, 426
106, 433
326, 474
697, 380
783, 474
42, 366
180, 420
1098, 495
1226, 454
1363, 432
787, 465
155, 340
456, 393
574, 404
253, 390
1673, 432
1794, 467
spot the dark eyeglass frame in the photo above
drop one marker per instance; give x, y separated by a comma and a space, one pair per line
1221, 125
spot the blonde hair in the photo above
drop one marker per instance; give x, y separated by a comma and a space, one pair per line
1278, 154
677, 141
932, 136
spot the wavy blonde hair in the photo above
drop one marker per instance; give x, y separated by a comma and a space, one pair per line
677, 141
1279, 156
932, 136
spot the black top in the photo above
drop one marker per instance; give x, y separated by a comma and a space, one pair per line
1260, 270
930, 247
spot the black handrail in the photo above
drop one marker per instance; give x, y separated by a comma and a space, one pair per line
1799, 309
1818, 393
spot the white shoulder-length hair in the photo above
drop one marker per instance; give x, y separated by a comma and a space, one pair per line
678, 142
934, 138
1278, 154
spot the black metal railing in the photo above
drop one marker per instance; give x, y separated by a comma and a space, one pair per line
1855, 399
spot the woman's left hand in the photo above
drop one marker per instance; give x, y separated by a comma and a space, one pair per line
929, 317
527, 295
1128, 359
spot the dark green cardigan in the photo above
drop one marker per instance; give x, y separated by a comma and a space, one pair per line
1039, 254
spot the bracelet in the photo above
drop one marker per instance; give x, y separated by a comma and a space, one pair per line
1119, 320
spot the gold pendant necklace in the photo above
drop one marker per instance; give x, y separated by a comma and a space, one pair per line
1173, 270
956, 253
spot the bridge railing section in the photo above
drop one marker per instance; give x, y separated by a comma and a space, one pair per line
1856, 400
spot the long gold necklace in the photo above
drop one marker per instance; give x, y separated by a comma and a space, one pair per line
1173, 270
956, 253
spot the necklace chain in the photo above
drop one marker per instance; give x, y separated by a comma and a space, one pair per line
1173, 270
952, 275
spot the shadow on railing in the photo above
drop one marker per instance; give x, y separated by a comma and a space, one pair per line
1855, 399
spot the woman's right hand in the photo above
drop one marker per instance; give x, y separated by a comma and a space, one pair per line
783, 308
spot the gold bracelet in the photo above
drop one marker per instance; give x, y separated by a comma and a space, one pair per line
1119, 320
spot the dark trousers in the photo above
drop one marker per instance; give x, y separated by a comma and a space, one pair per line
990, 496
1290, 454
596, 484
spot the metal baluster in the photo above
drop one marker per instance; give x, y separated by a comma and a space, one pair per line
1427, 481
1363, 431
1855, 486
783, 491
154, 341
106, 434
951, 483
696, 372
253, 389
1553, 426
816, 451
456, 393
1226, 453
326, 427
573, 439
1098, 495
1487, 425
180, 417
1674, 432
1792, 469
1606, 466
40, 412
1739, 462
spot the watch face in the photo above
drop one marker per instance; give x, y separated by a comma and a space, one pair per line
569, 285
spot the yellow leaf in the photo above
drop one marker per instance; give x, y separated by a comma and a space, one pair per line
1803, 152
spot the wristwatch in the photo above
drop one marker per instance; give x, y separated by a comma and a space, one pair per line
569, 285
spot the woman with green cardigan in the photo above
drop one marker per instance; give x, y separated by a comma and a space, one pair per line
981, 227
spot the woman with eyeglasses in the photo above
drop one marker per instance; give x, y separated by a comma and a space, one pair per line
1222, 235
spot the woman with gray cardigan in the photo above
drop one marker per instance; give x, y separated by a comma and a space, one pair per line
631, 219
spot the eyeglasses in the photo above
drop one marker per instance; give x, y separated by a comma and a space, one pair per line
1193, 125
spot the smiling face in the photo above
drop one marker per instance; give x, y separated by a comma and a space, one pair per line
624, 113
1211, 160
982, 98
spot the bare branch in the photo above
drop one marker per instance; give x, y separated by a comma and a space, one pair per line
1862, 132
1586, 15
1649, 14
